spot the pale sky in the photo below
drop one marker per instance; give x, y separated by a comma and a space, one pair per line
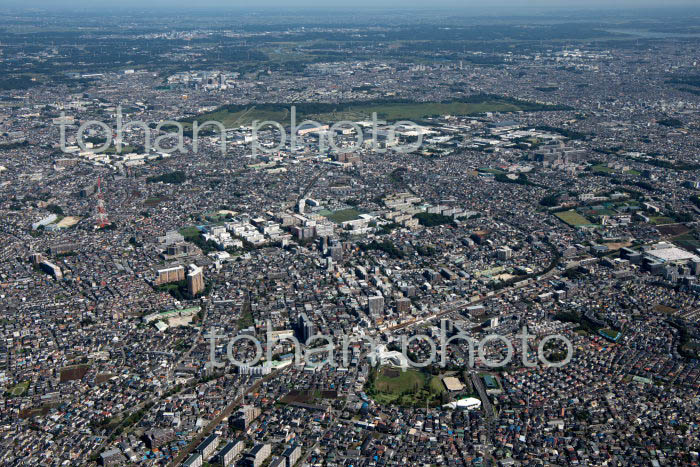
481, 5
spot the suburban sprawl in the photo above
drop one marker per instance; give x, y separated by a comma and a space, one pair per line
365, 193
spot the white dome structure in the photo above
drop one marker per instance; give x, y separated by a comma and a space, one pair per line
470, 403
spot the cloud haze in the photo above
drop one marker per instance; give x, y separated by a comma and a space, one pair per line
420, 4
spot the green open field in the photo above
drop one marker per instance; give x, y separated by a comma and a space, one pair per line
406, 388
154, 201
661, 220
610, 334
126, 149
393, 380
190, 232
233, 116
242, 117
687, 241
602, 168
343, 215
605, 210
246, 320
19, 389
417, 111
573, 218
216, 217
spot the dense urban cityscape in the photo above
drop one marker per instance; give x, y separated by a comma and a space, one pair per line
296, 238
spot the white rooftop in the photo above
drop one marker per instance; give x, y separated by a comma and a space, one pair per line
672, 253
470, 403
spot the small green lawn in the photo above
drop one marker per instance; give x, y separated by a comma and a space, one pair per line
602, 168
573, 218
246, 320
190, 232
661, 220
19, 389
436, 385
344, 215
610, 334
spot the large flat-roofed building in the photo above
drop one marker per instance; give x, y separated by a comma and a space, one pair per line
157, 437
452, 384
112, 457
490, 382
195, 280
504, 253
291, 455
669, 253
257, 455
36, 258
476, 311
170, 237
403, 305
470, 403
62, 248
229, 452
245, 415
166, 315
207, 447
375, 305
45, 221
195, 460
306, 128
179, 250
168, 275
51, 269
480, 236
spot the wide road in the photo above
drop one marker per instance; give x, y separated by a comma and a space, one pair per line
489, 414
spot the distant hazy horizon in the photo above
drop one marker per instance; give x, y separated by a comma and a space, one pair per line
515, 6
